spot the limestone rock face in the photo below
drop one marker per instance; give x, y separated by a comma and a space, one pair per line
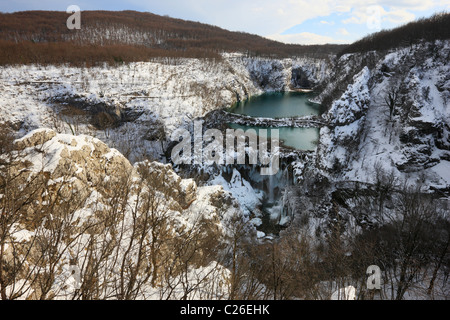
188, 191
300, 79
38, 137
181, 192
83, 160
88, 165
76, 199
392, 112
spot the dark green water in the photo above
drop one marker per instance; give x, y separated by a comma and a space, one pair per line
278, 105
283, 105
297, 138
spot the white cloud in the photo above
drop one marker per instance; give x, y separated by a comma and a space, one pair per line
264, 17
342, 8
268, 17
343, 32
399, 16
257, 9
370, 13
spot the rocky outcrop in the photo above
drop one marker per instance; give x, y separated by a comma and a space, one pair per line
38, 137
392, 112
76, 200
90, 164
346, 119
183, 192
102, 115
300, 79
80, 158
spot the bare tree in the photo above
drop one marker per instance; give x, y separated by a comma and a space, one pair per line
392, 98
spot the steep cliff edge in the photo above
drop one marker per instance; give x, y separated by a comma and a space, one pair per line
392, 111
71, 203
135, 107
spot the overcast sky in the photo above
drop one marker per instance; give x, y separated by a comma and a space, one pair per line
291, 21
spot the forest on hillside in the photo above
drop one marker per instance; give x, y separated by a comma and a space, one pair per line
433, 28
116, 37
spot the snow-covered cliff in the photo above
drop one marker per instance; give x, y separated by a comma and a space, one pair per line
91, 204
394, 112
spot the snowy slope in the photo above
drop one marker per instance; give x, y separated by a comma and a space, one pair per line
362, 136
84, 171
163, 92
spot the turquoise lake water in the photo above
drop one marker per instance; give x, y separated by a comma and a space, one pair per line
282, 105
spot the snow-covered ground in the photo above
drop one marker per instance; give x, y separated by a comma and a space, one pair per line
84, 169
362, 136
172, 94
175, 93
